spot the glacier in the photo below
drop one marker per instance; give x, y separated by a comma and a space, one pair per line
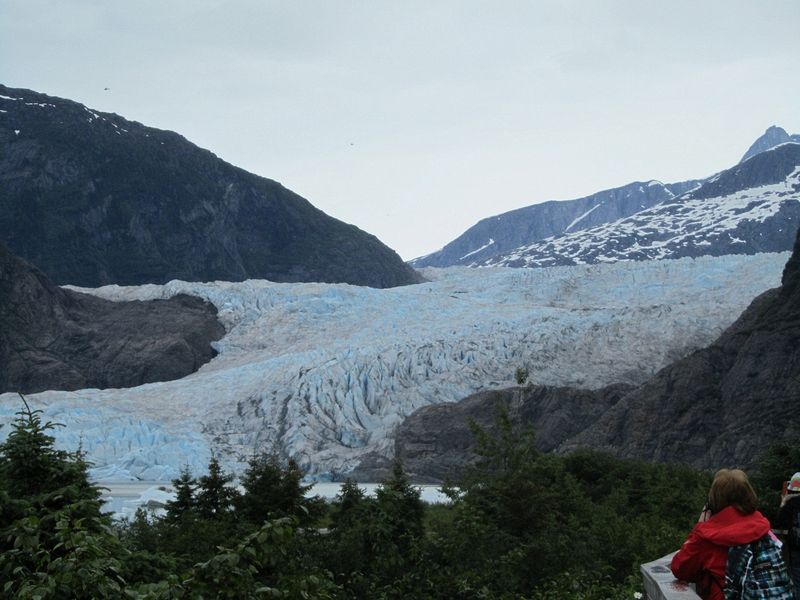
324, 373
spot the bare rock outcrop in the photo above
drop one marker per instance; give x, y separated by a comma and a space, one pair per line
52, 338
436, 442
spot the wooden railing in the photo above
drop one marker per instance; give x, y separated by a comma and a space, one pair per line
660, 583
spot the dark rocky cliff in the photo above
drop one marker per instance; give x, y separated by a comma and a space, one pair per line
436, 442
51, 338
92, 198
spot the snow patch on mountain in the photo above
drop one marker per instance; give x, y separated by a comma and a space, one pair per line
539, 221
582, 217
486, 245
668, 230
325, 372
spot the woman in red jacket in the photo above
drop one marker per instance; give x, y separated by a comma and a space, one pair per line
729, 519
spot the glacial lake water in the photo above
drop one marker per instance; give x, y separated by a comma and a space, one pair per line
124, 498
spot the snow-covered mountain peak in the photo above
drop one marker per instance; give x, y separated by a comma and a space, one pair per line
752, 207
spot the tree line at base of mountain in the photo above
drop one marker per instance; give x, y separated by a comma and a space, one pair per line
521, 524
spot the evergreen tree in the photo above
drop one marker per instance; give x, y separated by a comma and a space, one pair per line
37, 478
54, 542
30, 465
185, 502
351, 542
401, 505
398, 525
273, 491
349, 506
215, 497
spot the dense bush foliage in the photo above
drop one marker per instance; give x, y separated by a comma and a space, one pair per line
773, 468
520, 524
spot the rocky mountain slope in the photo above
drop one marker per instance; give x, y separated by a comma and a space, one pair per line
773, 136
436, 442
499, 234
92, 198
52, 338
719, 406
326, 372
753, 207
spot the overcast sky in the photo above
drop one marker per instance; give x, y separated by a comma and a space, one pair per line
415, 119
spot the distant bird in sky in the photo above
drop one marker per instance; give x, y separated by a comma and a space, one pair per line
106, 89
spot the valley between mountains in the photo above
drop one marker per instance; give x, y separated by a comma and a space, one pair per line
205, 310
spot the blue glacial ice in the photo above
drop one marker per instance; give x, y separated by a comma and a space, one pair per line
325, 372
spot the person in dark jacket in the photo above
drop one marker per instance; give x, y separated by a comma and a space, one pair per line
789, 519
729, 519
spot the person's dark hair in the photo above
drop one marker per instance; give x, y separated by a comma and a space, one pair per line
732, 488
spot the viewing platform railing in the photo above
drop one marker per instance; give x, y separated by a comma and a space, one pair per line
660, 583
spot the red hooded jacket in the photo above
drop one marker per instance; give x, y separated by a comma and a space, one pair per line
704, 554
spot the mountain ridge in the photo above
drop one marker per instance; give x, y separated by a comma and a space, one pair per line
773, 136
92, 199
494, 237
512, 229
752, 207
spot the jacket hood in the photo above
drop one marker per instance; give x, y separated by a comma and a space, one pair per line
729, 527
